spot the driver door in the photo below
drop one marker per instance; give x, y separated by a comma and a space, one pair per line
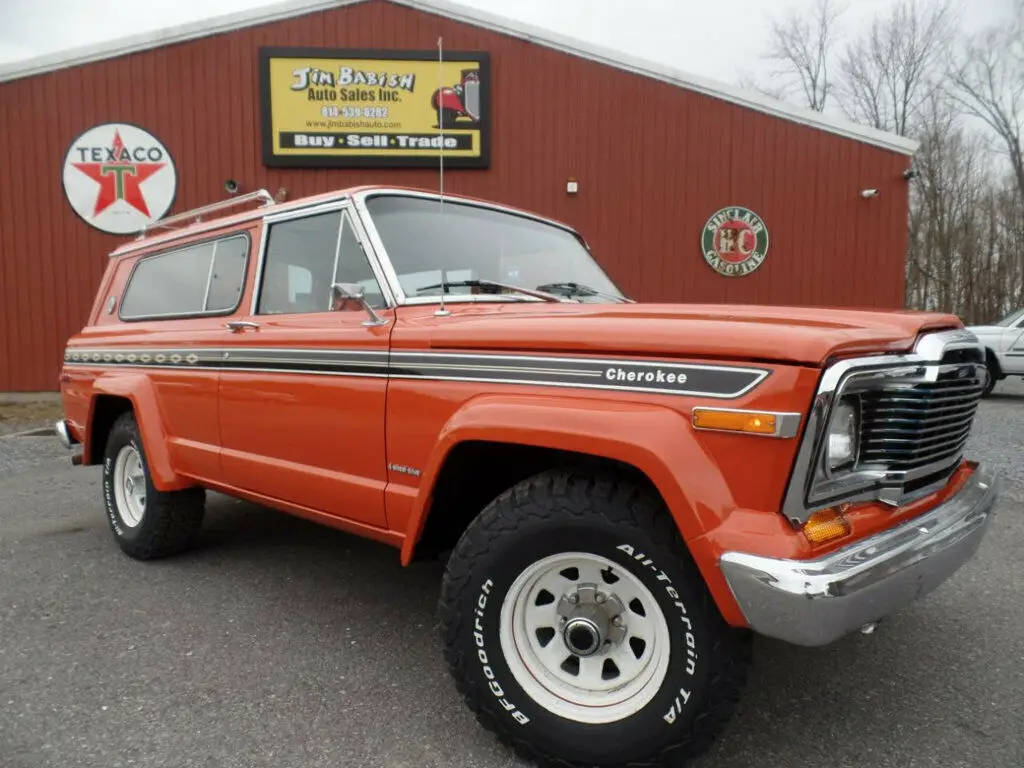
303, 387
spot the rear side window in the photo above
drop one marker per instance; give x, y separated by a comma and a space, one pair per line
201, 279
224, 290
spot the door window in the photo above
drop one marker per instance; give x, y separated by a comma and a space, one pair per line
306, 257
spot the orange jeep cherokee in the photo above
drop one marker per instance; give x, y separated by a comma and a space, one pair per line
628, 491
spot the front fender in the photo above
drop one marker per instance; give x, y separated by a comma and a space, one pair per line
652, 438
138, 389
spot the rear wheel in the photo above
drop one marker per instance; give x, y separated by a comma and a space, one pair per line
579, 630
146, 523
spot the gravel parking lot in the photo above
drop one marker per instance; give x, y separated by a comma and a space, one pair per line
280, 643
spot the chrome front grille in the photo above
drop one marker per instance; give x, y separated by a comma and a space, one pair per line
922, 426
916, 413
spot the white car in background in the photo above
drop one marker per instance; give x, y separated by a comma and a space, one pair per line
1004, 347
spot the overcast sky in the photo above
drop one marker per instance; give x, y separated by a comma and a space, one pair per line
720, 39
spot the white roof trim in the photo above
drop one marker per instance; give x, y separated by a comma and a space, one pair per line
467, 15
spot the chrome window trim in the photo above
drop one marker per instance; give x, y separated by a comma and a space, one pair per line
258, 278
174, 248
209, 275
401, 298
867, 485
345, 206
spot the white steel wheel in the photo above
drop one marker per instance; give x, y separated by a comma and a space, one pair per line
129, 486
584, 638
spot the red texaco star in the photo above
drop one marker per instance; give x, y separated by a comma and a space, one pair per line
119, 179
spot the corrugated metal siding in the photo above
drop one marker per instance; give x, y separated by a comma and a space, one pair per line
653, 162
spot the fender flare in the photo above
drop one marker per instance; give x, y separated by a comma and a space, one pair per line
992, 354
138, 389
654, 439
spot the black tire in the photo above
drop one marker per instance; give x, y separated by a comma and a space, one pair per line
623, 522
170, 521
993, 377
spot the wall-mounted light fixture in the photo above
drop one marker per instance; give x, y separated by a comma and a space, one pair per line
572, 186
869, 193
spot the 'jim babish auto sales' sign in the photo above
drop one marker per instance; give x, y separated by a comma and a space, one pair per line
329, 108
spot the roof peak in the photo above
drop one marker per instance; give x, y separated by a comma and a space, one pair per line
459, 12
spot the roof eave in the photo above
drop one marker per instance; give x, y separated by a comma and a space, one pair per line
646, 68
446, 8
179, 33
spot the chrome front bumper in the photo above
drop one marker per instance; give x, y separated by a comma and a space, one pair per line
814, 602
62, 431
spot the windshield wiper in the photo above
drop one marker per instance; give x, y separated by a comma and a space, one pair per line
493, 285
577, 289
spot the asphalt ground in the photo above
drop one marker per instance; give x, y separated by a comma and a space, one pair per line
281, 643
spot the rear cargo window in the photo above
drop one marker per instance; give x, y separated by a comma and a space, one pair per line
202, 279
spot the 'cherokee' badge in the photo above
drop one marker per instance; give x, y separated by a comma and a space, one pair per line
734, 241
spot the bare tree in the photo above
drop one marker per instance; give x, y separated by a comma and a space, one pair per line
751, 83
803, 46
988, 82
966, 204
887, 75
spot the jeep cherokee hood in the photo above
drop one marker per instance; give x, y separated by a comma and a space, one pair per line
804, 335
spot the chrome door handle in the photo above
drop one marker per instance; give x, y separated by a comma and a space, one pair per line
236, 326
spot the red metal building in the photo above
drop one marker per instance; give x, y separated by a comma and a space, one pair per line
654, 154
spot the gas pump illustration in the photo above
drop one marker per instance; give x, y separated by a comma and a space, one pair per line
459, 101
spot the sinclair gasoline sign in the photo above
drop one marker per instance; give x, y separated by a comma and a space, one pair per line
734, 241
328, 108
119, 177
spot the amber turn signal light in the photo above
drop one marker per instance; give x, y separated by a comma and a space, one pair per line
735, 421
825, 525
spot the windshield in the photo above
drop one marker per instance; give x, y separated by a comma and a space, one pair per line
470, 243
1011, 318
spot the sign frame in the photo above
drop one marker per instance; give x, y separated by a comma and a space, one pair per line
709, 235
169, 162
272, 160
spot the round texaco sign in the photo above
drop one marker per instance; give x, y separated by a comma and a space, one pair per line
734, 241
118, 178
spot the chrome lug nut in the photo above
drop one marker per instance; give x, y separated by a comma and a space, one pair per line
573, 599
617, 621
600, 597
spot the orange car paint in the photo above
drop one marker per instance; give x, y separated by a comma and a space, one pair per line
320, 446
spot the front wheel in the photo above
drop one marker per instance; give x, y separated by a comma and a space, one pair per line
579, 630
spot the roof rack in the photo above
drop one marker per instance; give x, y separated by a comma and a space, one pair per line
196, 214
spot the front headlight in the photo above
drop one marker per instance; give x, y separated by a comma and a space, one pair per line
843, 432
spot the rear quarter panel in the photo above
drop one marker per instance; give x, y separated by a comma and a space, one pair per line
178, 407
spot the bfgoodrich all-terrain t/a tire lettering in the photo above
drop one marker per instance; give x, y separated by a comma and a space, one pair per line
625, 544
147, 524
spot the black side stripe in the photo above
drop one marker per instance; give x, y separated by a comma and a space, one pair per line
620, 374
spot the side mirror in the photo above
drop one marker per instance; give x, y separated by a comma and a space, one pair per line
355, 292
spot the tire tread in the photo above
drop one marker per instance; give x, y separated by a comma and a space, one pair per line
172, 519
583, 493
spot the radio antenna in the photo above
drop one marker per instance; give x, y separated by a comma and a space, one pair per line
442, 311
